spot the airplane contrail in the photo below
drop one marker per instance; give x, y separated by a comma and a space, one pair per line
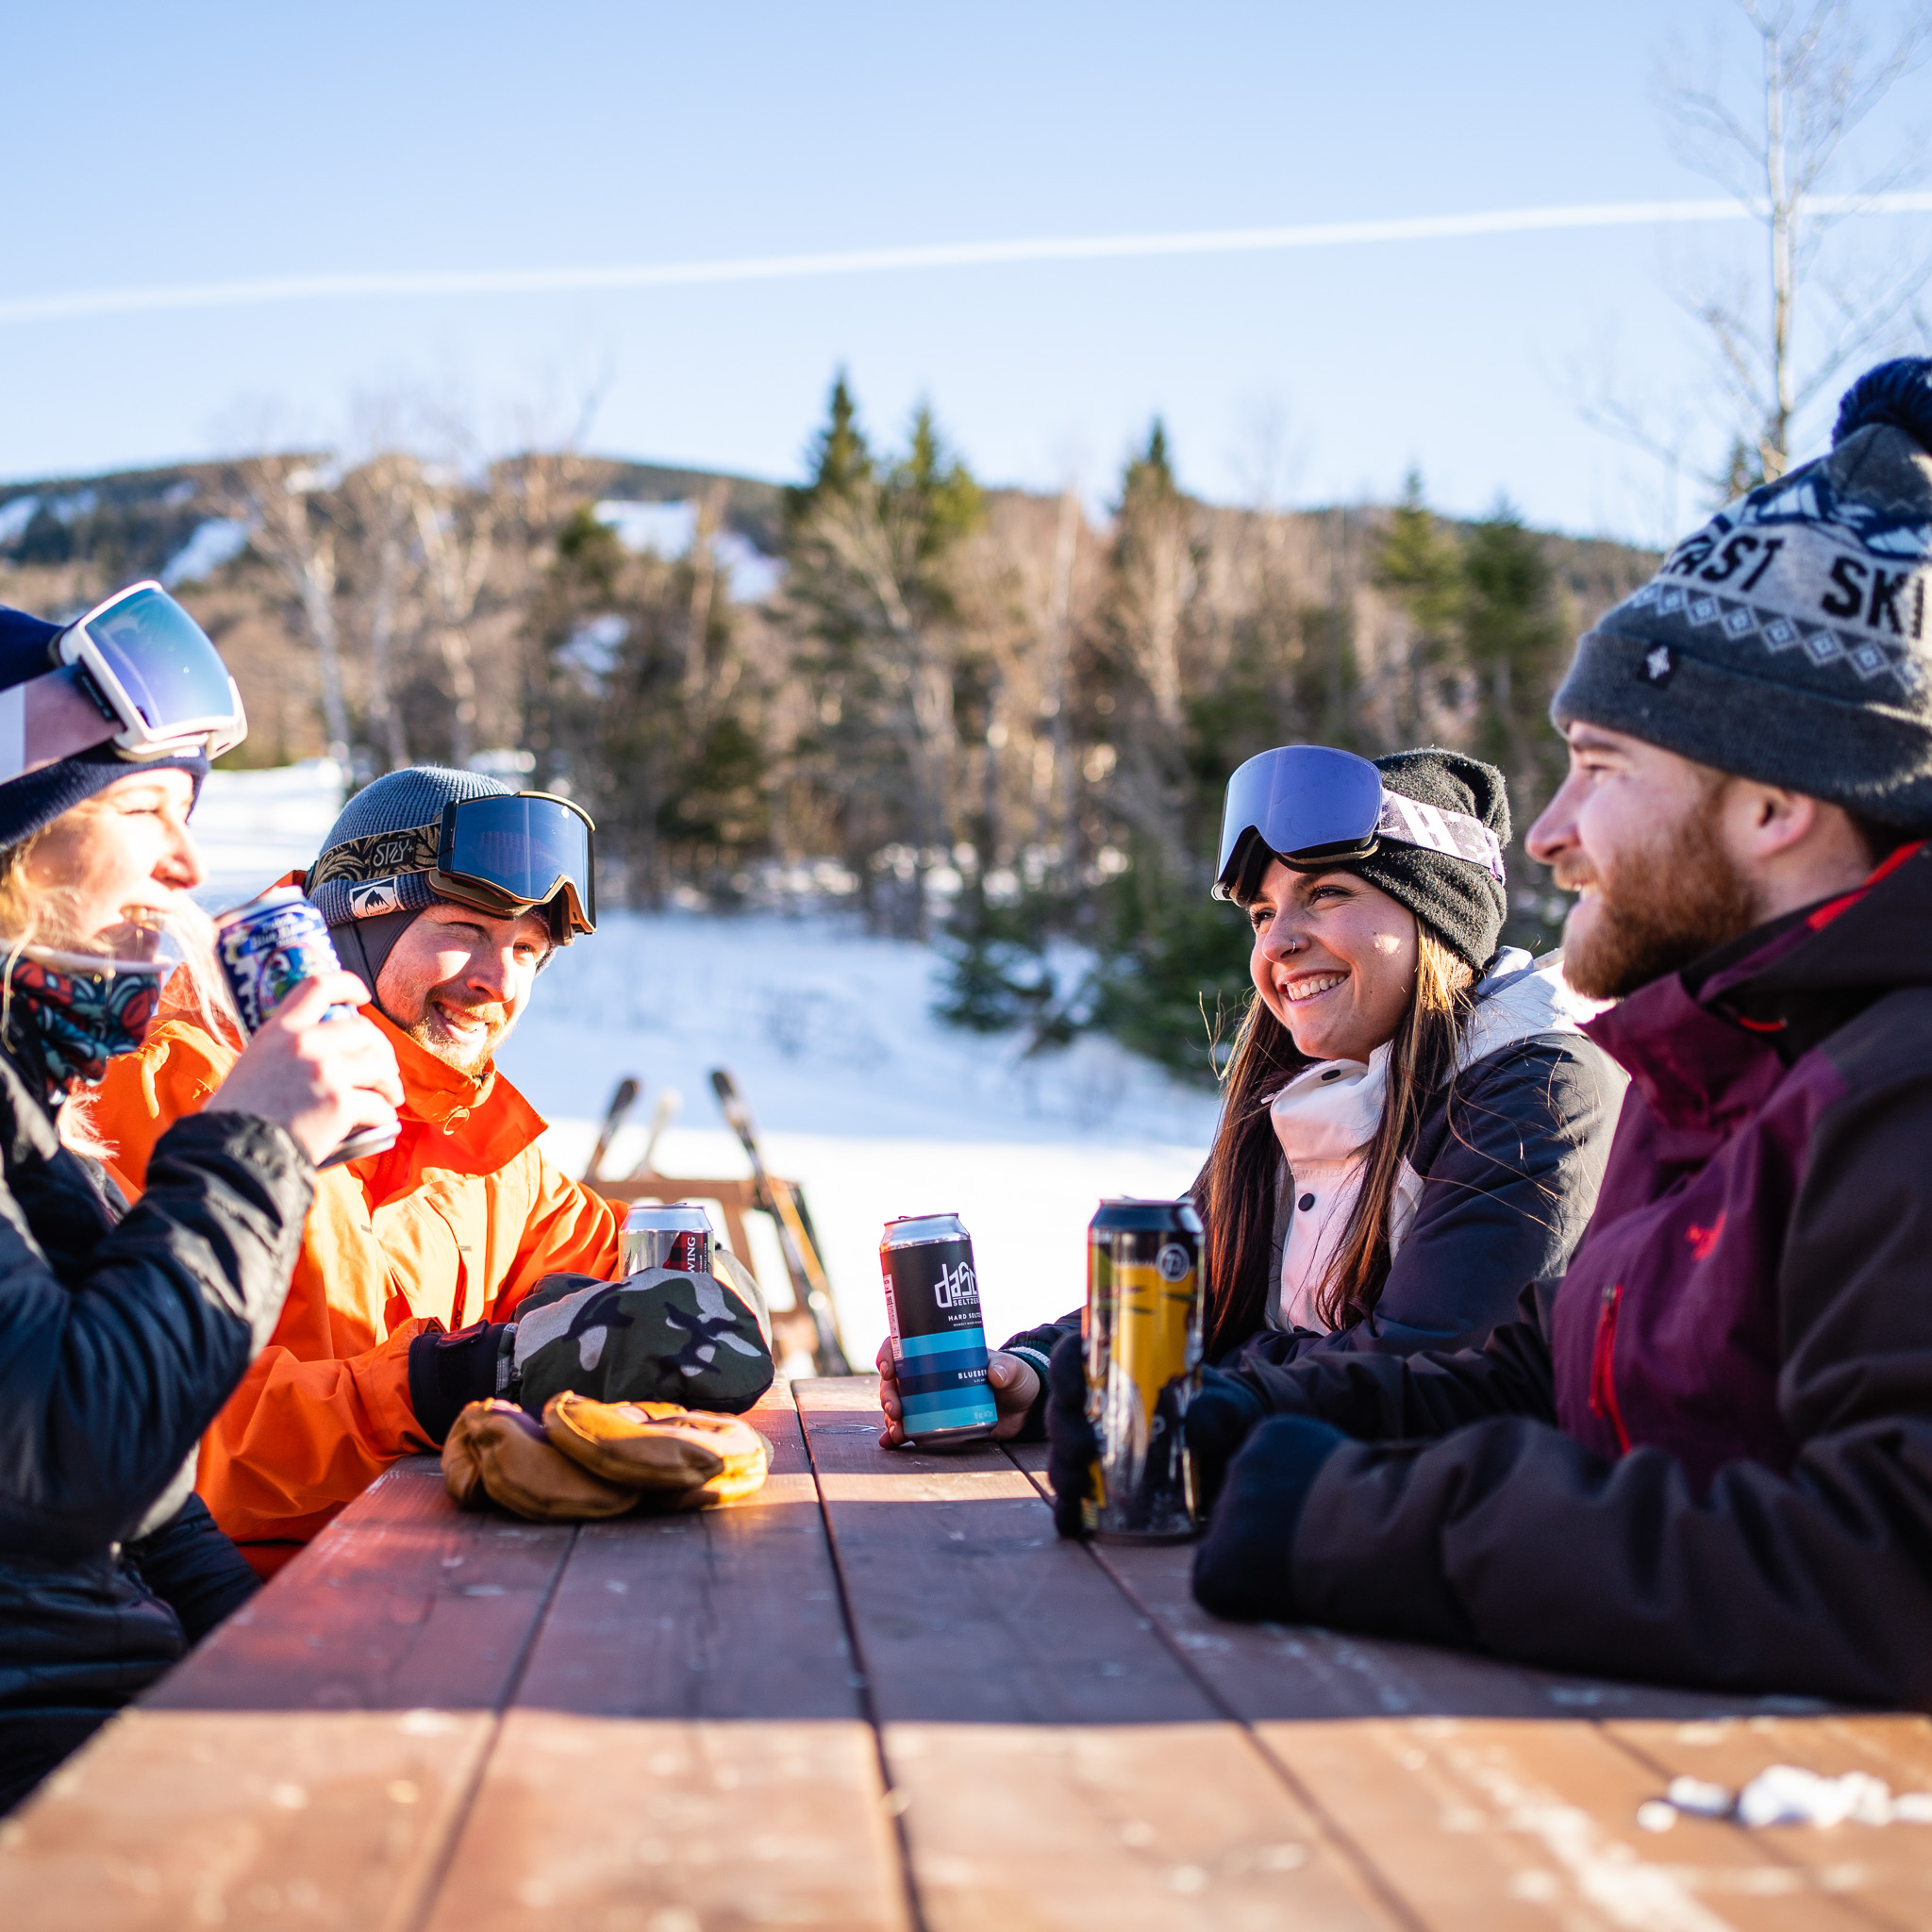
75, 305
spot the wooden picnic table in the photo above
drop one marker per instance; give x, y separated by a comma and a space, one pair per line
882, 1695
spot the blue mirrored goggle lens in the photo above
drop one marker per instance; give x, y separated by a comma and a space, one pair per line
1300, 798
527, 847
171, 673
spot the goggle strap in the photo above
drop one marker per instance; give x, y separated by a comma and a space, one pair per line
1408, 822
48, 718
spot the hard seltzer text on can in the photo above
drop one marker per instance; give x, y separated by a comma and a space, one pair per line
667, 1235
266, 949
938, 1344
1142, 1333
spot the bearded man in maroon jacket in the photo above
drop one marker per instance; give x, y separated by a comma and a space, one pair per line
1706, 1453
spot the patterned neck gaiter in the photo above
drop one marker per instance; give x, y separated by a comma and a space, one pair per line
66, 1023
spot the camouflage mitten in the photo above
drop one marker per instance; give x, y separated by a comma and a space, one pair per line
662, 1335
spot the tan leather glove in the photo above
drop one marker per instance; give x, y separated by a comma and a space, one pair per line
495, 1453
682, 1459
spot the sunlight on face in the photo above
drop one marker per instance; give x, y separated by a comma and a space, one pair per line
1333, 960
457, 979
107, 872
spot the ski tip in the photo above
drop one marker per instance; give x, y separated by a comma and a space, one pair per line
625, 1095
722, 1085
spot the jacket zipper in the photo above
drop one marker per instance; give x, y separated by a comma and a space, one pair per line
1602, 1383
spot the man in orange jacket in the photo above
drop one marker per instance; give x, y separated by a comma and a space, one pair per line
448, 918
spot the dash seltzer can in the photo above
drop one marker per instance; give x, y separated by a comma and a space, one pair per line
939, 1345
1142, 1332
677, 1235
266, 949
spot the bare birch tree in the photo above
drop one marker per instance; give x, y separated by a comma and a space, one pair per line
283, 501
1787, 332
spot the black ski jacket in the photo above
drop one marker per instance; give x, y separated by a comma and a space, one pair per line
1511, 1155
121, 1333
1706, 1454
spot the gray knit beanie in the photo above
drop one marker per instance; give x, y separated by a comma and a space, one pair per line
1458, 900
371, 879
1786, 641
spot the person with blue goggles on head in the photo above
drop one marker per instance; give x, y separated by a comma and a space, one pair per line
1413, 1125
124, 1331
448, 894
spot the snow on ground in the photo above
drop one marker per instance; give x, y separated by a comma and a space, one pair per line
254, 826
876, 1107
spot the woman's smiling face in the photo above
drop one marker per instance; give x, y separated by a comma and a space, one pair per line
1333, 960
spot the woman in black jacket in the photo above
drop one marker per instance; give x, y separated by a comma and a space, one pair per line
1413, 1126
123, 1332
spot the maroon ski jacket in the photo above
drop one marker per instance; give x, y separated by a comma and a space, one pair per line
1706, 1453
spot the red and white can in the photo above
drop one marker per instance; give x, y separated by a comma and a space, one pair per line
657, 1235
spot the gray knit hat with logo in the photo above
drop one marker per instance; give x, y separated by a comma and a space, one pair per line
1786, 640
372, 876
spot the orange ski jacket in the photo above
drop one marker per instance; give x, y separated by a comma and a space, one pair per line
453, 1224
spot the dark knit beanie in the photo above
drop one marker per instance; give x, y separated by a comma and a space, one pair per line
371, 879
36, 799
1456, 899
1786, 640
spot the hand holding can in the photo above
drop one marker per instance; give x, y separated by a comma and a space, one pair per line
316, 1079
938, 1340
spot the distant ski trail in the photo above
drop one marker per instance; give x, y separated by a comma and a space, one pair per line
75, 305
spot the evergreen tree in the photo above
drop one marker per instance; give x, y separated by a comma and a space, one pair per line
1517, 647
840, 458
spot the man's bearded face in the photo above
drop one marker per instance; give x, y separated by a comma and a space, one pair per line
1651, 910
456, 980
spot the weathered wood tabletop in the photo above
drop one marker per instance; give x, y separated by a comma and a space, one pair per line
882, 1694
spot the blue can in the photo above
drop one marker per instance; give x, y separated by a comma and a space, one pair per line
266, 949
938, 1342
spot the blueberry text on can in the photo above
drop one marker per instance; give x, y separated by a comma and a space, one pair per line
939, 1342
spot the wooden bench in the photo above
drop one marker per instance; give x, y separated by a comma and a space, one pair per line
883, 1694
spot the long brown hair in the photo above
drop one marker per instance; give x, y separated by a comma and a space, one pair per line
1245, 1159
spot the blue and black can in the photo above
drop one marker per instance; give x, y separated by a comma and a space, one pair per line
939, 1342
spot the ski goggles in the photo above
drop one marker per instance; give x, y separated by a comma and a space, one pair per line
505, 855
1312, 806
516, 852
138, 673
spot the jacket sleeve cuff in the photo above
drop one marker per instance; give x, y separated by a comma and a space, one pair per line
449, 1372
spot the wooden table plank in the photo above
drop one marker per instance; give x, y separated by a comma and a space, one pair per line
1502, 1825
670, 1827
1171, 1827
242, 1820
404, 1601
1886, 1869
1259, 1670
965, 1605
1001, 1662
724, 1613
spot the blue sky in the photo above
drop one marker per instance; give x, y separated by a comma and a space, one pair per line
204, 143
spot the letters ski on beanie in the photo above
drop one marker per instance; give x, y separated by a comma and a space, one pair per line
1460, 901
372, 876
1786, 640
